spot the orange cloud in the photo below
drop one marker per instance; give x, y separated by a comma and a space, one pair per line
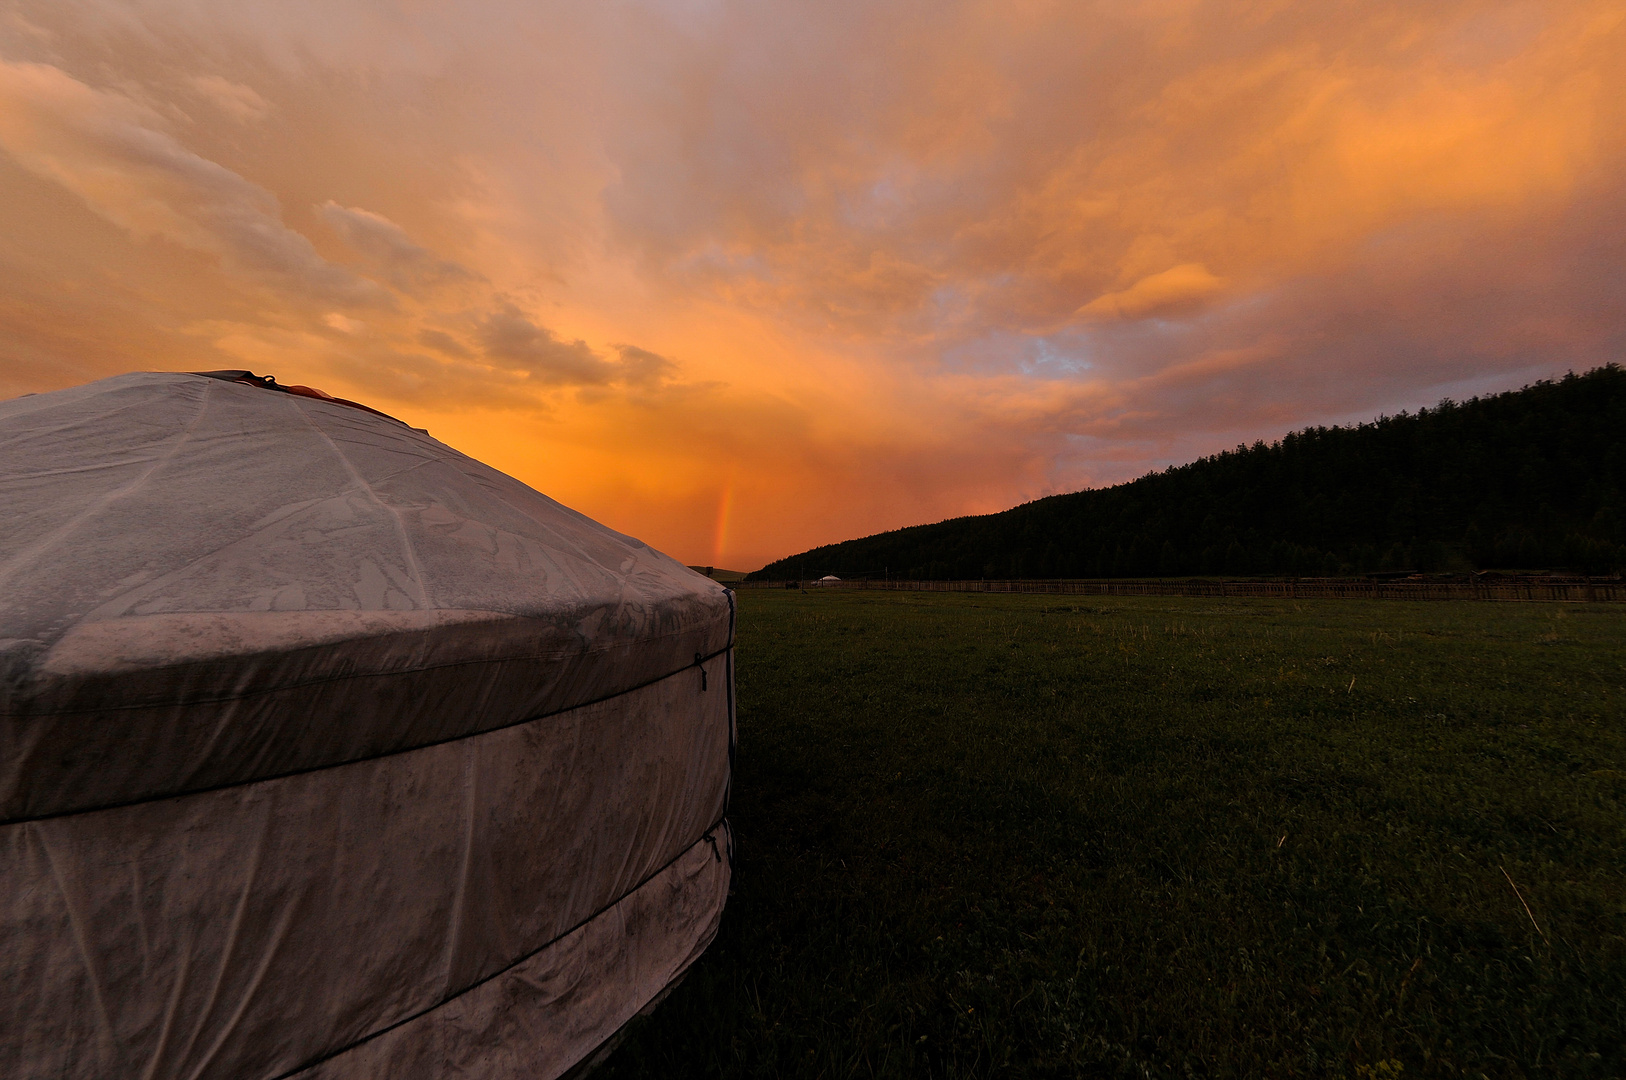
741, 279
1176, 288
112, 152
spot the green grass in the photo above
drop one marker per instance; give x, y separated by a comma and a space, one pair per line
1024, 836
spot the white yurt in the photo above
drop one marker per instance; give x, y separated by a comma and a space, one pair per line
328, 752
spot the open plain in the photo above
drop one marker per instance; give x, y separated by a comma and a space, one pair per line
1028, 836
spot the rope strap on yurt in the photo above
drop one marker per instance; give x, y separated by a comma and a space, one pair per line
733, 731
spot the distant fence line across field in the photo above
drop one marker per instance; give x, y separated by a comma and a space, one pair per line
1568, 590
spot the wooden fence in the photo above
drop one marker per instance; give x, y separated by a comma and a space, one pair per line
1573, 590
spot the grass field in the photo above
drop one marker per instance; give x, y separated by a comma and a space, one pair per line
1010, 836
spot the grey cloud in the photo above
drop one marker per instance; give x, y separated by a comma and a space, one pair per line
640, 367
404, 261
234, 100
443, 342
507, 334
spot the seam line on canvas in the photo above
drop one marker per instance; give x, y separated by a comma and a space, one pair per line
505, 970
22, 820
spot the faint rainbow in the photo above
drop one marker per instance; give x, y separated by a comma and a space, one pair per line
724, 504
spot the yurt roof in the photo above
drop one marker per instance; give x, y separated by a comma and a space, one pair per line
173, 539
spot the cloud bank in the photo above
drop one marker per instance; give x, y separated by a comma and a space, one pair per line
743, 278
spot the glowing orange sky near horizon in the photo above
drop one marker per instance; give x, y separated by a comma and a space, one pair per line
740, 279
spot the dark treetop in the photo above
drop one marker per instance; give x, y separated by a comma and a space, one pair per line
1530, 479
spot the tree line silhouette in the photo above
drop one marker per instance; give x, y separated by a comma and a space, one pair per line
1526, 480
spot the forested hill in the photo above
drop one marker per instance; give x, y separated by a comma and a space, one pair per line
1530, 479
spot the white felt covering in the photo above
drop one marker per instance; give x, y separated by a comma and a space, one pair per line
326, 749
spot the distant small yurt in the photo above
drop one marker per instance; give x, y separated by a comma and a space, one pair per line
829, 579
328, 752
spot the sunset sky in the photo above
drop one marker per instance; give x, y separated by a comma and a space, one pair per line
743, 278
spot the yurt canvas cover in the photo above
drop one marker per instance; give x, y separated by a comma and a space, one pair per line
329, 752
